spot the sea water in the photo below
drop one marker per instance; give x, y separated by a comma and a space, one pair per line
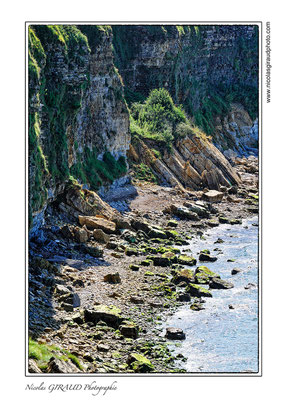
220, 339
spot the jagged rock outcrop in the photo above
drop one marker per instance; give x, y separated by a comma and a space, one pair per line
194, 163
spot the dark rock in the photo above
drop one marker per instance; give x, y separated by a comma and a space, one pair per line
184, 297
134, 267
198, 291
217, 283
129, 331
175, 334
206, 257
103, 348
112, 278
233, 190
57, 366
235, 271
197, 307
136, 300
223, 220
250, 286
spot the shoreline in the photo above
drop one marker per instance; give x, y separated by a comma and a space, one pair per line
124, 338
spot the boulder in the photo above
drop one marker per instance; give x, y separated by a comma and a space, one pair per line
185, 275
217, 283
112, 278
81, 235
101, 236
197, 291
206, 257
203, 275
129, 330
97, 223
213, 196
175, 334
183, 212
184, 297
200, 210
111, 315
186, 260
235, 271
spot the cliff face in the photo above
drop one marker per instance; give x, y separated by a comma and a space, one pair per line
204, 68
78, 116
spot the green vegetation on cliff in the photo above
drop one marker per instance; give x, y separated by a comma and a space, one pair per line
157, 118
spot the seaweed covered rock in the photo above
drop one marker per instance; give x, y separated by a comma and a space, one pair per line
198, 291
139, 363
203, 275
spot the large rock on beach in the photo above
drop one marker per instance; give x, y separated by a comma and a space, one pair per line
213, 196
97, 223
217, 283
111, 315
175, 334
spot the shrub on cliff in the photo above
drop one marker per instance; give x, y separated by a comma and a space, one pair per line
158, 118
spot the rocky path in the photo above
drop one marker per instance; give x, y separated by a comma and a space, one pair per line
97, 297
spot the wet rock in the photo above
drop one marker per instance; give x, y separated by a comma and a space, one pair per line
184, 297
250, 286
197, 306
112, 278
235, 221
212, 223
206, 257
98, 223
198, 291
203, 275
231, 307
217, 283
235, 271
57, 366
33, 367
219, 241
223, 220
175, 334
100, 236
213, 196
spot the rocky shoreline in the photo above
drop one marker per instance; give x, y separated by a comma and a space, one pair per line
102, 281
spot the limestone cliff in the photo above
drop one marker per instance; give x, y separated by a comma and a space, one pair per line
205, 68
83, 78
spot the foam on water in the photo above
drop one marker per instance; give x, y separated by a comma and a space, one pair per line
219, 339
